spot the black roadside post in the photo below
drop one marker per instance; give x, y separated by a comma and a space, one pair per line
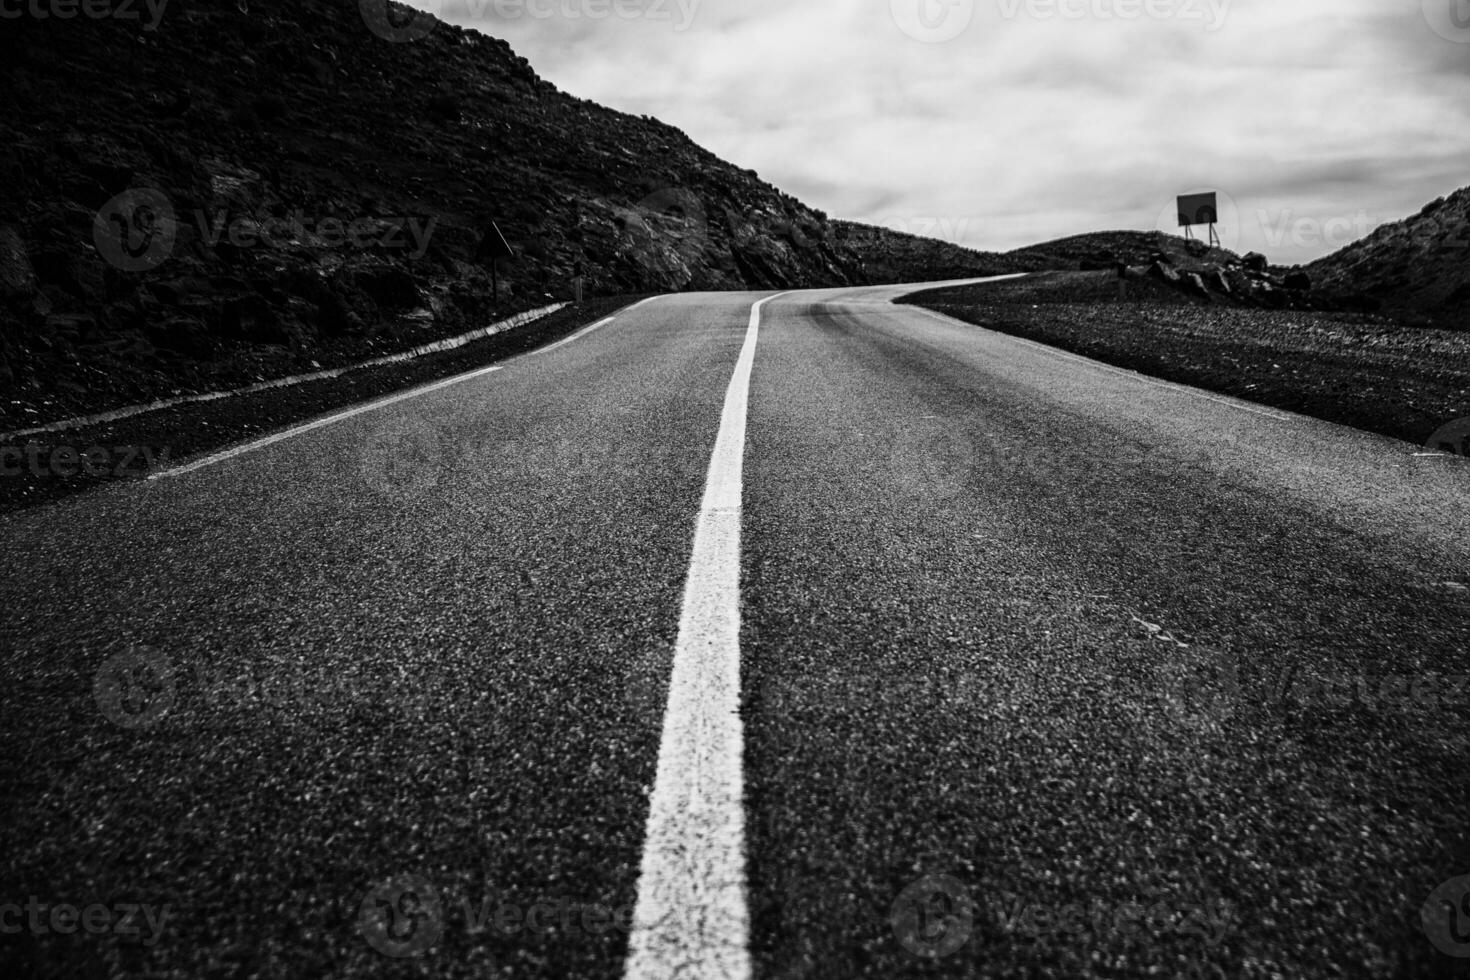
577, 274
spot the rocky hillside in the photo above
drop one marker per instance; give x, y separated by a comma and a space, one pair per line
1179, 269
243, 189
1419, 265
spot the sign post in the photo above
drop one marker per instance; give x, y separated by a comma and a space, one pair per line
496, 248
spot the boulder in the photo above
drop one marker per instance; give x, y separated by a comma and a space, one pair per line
1194, 283
1163, 273
1255, 262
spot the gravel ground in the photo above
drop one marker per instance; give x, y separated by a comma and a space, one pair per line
1368, 372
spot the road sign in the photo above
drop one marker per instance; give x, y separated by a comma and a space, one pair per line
1198, 209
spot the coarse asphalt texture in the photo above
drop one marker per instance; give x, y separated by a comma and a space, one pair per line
1048, 669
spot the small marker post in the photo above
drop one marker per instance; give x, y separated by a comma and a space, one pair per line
494, 246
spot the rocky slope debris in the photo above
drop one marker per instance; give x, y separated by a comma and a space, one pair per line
1197, 271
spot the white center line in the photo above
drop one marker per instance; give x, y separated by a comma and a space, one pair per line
691, 918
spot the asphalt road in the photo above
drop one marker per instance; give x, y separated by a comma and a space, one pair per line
1047, 669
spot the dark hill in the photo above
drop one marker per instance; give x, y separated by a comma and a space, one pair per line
314, 189
1102, 248
1419, 265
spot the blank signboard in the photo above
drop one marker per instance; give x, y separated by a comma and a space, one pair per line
1198, 209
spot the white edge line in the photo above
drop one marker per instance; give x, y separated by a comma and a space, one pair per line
586, 330
692, 918
393, 399
438, 346
1124, 372
290, 433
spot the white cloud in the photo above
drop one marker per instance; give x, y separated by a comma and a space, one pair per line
1025, 128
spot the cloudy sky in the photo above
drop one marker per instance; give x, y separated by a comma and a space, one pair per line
1000, 123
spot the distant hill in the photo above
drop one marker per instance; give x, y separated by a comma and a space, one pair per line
1420, 264
1134, 247
262, 133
